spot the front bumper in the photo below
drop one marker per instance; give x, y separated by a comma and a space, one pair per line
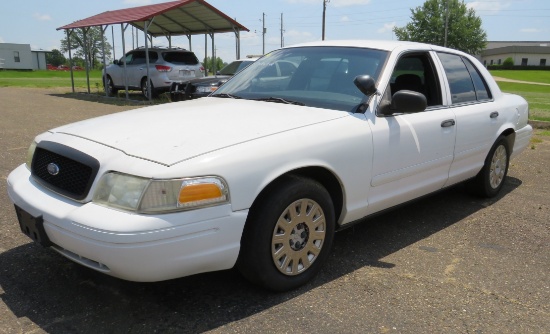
143, 248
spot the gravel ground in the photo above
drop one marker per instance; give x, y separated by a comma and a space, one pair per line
449, 263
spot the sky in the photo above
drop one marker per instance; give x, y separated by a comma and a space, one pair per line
34, 22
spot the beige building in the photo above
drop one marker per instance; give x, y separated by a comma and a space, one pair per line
523, 53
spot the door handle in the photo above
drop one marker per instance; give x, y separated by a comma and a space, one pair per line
448, 123
494, 114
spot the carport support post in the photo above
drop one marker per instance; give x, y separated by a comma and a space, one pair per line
205, 54
189, 38
122, 30
213, 54
237, 42
103, 71
148, 83
86, 56
70, 56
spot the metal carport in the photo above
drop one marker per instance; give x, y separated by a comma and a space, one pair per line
175, 18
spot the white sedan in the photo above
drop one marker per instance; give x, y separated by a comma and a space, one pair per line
262, 173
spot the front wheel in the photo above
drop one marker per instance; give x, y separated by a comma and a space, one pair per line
110, 86
288, 234
490, 179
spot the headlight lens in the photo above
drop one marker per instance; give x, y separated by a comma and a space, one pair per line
30, 154
158, 196
206, 89
120, 191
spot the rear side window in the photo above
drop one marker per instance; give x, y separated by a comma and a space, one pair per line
465, 81
138, 58
180, 58
482, 92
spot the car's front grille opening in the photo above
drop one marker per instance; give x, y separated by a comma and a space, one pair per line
64, 170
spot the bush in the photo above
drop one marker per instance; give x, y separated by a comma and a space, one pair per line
508, 62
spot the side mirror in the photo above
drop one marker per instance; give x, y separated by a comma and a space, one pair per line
115, 61
408, 101
365, 84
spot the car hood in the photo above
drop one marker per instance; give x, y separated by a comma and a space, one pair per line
174, 132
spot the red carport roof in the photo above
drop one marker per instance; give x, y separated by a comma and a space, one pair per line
185, 17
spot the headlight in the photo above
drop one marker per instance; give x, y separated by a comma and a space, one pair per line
30, 154
120, 191
206, 89
159, 196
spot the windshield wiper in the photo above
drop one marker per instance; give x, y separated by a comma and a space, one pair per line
225, 95
280, 100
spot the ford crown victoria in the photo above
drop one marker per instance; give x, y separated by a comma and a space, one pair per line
261, 174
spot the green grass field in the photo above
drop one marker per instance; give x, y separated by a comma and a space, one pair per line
538, 96
48, 79
530, 76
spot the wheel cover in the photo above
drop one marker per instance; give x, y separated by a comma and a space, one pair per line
298, 237
498, 167
145, 86
110, 86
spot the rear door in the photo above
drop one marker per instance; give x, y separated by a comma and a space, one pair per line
477, 116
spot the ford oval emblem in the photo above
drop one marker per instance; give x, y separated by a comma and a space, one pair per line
53, 169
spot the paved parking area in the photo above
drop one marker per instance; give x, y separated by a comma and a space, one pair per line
449, 263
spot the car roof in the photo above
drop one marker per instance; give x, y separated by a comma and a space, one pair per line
377, 44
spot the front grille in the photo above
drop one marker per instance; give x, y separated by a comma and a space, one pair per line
64, 169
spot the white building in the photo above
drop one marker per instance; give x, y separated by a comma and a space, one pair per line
21, 57
523, 53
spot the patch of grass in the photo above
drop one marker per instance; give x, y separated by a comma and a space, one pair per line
48, 79
544, 133
538, 97
532, 76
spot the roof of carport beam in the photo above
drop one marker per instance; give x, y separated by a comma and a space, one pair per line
185, 17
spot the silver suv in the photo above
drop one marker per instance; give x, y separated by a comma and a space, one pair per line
165, 67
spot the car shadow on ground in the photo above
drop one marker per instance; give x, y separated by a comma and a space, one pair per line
60, 296
134, 98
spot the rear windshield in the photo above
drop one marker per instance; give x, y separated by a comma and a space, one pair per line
180, 58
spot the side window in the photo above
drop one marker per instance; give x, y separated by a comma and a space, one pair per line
416, 72
460, 82
129, 58
139, 58
465, 81
16, 57
482, 91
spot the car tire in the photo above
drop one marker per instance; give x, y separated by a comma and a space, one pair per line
145, 87
490, 179
108, 83
288, 234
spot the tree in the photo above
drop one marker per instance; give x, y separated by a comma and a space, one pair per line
464, 31
55, 58
508, 62
95, 46
209, 65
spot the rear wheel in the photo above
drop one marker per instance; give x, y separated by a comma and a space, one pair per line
288, 234
147, 85
490, 179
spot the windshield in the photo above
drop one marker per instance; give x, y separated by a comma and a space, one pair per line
311, 76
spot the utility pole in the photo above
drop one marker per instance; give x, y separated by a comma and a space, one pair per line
446, 21
324, 13
263, 34
282, 30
